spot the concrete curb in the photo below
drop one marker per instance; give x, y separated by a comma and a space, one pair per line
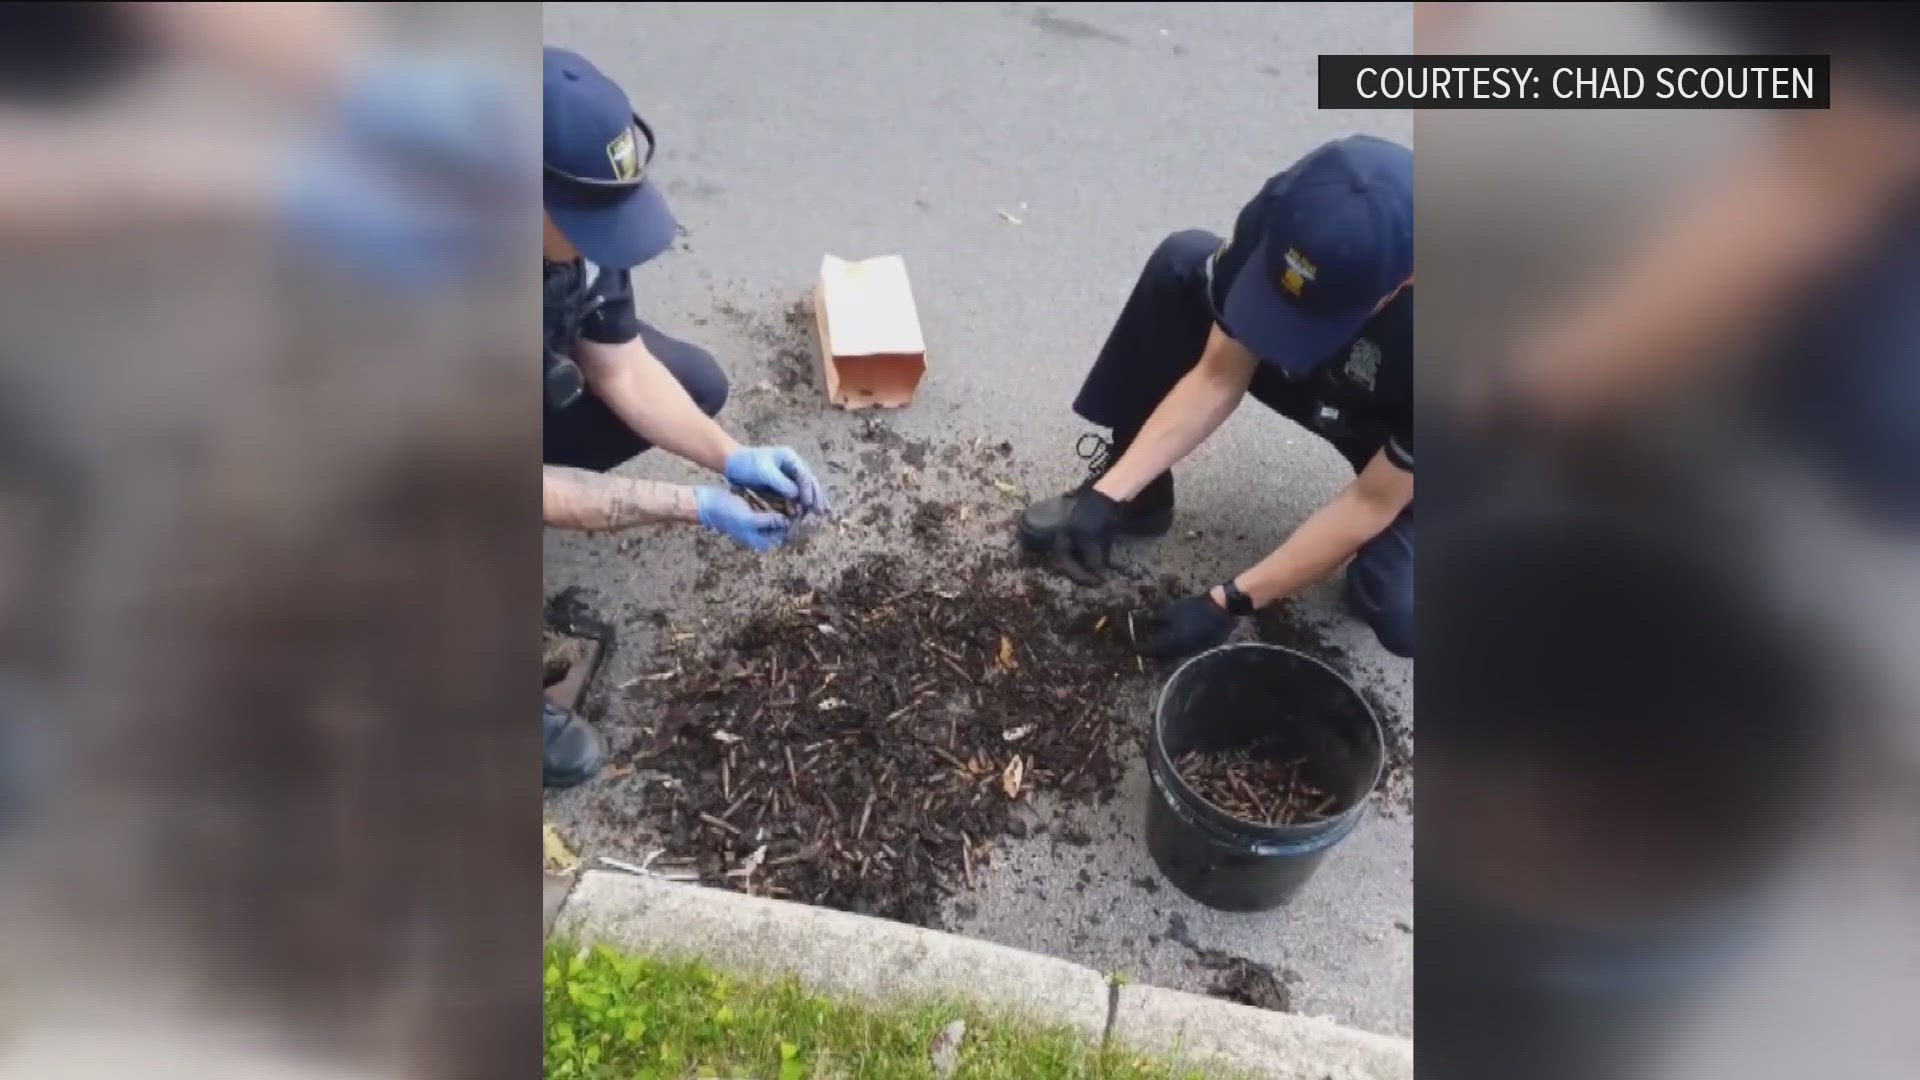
875, 960
554, 889
832, 952
1189, 1027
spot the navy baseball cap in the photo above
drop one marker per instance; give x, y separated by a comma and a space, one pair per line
1335, 239
595, 179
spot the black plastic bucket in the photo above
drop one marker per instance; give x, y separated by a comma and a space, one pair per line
1287, 705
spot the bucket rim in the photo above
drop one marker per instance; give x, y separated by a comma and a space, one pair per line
1187, 791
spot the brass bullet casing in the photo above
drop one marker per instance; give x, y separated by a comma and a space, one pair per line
765, 501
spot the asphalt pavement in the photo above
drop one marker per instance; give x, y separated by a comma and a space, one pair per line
1024, 159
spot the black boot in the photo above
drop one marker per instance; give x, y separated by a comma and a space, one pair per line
574, 750
1149, 513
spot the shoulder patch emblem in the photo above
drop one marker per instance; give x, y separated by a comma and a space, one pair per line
1363, 362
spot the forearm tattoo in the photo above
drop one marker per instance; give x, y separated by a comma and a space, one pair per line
593, 502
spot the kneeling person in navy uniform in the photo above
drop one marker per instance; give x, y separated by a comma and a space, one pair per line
615, 386
1308, 306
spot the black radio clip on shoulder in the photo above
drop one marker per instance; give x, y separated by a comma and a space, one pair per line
566, 306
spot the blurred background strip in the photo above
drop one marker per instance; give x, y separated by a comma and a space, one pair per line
267, 521
1668, 397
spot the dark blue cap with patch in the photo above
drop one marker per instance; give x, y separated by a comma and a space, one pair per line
1335, 239
596, 156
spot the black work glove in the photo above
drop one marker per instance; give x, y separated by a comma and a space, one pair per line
1191, 624
1084, 548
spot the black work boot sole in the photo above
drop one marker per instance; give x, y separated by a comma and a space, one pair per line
1043, 520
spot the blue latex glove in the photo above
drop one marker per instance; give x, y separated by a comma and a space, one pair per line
780, 471
451, 113
730, 515
346, 210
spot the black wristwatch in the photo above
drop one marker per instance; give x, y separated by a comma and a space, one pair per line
1239, 604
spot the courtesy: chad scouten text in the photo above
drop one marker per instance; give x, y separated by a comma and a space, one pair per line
1722, 82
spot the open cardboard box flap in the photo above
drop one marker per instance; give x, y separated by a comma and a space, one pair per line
871, 348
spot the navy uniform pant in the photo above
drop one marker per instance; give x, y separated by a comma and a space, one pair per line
1158, 339
589, 435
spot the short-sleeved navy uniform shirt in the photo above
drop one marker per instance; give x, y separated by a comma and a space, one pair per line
1361, 398
584, 302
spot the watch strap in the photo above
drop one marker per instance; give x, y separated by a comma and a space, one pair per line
1238, 603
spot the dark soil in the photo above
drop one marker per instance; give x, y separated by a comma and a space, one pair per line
569, 631
1248, 983
796, 362
1073, 836
568, 613
1255, 786
875, 431
929, 521
789, 343
1283, 624
863, 747
1395, 791
1236, 978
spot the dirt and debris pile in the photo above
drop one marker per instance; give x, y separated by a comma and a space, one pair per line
1241, 980
787, 340
862, 747
1236, 978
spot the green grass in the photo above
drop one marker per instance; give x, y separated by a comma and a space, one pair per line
611, 1016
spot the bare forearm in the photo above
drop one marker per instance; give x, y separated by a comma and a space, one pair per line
1692, 297
594, 502
1194, 410
62, 180
1317, 548
1720, 272
642, 392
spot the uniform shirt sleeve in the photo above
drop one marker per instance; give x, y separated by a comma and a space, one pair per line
611, 319
1395, 384
1398, 385
1399, 446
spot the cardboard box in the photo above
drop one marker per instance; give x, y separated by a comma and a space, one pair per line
871, 348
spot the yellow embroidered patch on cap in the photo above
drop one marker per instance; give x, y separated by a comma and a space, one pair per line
624, 153
1299, 271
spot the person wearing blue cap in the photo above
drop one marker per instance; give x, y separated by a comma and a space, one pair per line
615, 386
1308, 306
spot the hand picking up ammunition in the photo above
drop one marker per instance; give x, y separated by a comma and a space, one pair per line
767, 501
